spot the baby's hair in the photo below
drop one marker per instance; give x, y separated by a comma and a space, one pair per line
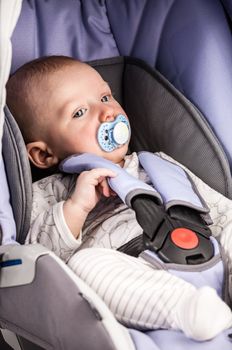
45, 64
20, 99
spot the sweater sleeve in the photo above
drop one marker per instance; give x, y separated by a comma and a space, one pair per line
48, 226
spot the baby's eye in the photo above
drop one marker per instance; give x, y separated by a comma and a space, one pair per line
105, 98
80, 113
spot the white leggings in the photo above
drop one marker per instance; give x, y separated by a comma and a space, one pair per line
145, 298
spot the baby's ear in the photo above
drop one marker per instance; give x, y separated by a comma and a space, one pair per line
41, 155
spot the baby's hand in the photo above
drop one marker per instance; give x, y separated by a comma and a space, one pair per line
90, 186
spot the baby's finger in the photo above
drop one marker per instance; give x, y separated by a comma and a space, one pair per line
100, 173
105, 188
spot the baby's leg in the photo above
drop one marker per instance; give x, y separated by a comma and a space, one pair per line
141, 297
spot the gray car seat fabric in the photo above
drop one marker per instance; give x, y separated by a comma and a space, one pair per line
20, 184
177, 129
54, 310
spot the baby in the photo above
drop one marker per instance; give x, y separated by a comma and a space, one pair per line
59, 104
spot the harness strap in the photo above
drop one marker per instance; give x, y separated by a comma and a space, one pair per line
124, 184
172, 183
176, 232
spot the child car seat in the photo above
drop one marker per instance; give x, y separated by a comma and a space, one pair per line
99, 322
122, 73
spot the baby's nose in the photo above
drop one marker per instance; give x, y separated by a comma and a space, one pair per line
106, 115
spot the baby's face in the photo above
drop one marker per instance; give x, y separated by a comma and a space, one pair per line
77, 101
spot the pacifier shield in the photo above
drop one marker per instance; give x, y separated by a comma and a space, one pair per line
112, 135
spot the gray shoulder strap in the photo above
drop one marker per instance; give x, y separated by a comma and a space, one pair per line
124, 184
172, 182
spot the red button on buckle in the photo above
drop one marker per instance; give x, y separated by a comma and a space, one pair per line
184, 238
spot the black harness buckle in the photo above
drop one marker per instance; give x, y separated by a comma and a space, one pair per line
178, 236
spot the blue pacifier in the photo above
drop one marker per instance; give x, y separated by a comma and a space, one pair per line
112, 135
